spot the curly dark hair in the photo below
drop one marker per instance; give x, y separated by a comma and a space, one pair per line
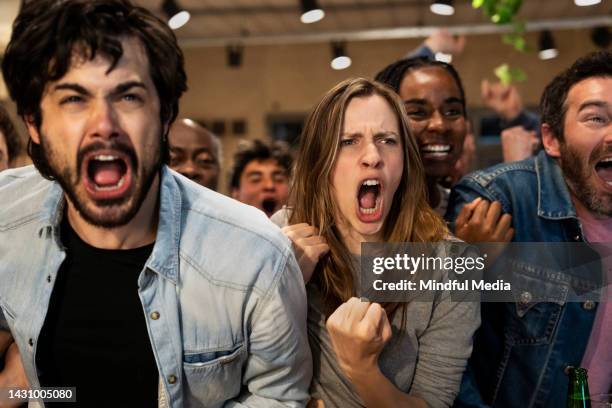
47, 33
11, 137
552, 103
258, 150
393, 74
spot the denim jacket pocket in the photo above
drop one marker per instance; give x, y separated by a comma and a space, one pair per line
539, 299
214, 377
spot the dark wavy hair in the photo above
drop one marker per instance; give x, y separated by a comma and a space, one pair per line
258, 150
393, 74
11, 137
47, 33
552, 103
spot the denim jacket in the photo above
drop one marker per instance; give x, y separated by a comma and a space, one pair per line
223, 296
522, 350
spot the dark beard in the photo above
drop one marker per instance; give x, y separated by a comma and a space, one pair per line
577, 174
143, 179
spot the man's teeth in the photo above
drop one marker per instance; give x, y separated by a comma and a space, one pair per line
109, 188
105, 157
606, 160
436, 148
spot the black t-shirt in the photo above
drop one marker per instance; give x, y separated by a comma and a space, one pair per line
95, 337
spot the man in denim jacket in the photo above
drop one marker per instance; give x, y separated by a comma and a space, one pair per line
523, 350
119, 276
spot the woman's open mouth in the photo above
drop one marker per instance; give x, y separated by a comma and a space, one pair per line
370, 201
107, 175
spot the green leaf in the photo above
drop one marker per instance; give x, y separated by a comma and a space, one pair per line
520, 44
507, 75
477, 3
517, 75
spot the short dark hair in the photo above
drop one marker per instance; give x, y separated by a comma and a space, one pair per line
393, 74
11, 137
552, 103
259, 151
46, 33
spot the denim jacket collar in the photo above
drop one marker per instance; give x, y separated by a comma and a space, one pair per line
165, 256
554, 200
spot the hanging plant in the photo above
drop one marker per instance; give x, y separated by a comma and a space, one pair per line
504, 12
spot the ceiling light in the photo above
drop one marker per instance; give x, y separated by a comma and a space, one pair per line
442, 7
234, 55
311, 12
548, 50
586, 2
339, 58
176, 17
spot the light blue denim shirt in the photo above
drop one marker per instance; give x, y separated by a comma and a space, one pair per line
231, 329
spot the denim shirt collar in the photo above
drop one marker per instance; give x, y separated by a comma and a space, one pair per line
554, 200
164, 258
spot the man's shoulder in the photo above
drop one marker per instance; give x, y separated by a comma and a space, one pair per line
220, 234
513, 173
22, 190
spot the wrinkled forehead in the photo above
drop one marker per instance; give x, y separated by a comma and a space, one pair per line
132, 63
594, 89
426, 82
185, 136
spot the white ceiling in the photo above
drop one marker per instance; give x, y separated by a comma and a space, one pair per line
223, 19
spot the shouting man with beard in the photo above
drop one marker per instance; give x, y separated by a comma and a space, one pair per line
119, 276
524, 350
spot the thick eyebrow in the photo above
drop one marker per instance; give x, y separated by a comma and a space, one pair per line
118, 90
69, 86
202, 150
384, 134
596, 103
421, 101
126, 86
418, 101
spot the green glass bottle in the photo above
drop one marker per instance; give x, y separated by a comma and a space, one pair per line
578, 389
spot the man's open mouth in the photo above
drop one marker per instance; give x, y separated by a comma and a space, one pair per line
269, 206
107, 175
603, 168
369, 198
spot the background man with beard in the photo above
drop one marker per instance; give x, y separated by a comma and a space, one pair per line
109, 280
195, 152
260, 176
564, 194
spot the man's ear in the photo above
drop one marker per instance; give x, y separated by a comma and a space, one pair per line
550, 141
32, 129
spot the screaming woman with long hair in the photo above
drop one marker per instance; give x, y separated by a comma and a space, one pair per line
358, 178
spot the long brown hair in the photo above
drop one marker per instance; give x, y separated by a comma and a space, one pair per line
410, 218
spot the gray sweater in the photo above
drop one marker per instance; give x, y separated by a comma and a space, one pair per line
426, 360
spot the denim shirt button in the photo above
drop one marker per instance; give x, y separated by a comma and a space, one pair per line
567, 369
588, 305
171, 379
577, 238
525, 297
155, 315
